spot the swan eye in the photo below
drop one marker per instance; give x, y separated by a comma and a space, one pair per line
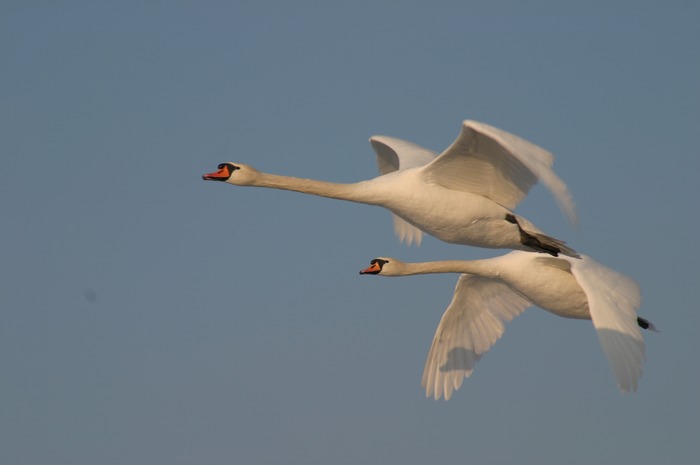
230, 166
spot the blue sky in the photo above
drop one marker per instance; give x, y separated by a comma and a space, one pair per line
150, 317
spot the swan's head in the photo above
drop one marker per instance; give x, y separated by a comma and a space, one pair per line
384, 266
233, 173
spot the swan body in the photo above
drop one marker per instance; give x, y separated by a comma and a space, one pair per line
463, 196
492, 291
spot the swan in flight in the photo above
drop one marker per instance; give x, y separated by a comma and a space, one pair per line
495, 290
463, 196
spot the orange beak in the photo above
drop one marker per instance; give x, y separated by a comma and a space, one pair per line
374, 268
222, 175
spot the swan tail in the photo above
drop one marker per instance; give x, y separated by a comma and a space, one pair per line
646, 324
542, 242
548, 244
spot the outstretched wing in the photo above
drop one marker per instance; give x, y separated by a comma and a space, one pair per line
469, 327
395, 154
613, 300
498, 165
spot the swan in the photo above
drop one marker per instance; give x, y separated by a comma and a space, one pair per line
495, 290
463, 196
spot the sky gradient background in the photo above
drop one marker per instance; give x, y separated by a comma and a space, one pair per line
149, 317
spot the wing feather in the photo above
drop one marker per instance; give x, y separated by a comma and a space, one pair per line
613, 300
472, 323
406, 232
498, 165
396, 154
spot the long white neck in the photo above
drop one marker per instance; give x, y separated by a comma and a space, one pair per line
361, 192
476, 267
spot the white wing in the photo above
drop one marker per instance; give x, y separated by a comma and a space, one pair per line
612, 300
470, 326
498, 165
406, 232
395, 154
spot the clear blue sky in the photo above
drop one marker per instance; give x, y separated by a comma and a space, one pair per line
149, 317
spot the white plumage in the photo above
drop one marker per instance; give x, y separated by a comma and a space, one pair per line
493, 291
463, 196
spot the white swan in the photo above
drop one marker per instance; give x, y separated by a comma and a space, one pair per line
463, 196
495, 290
